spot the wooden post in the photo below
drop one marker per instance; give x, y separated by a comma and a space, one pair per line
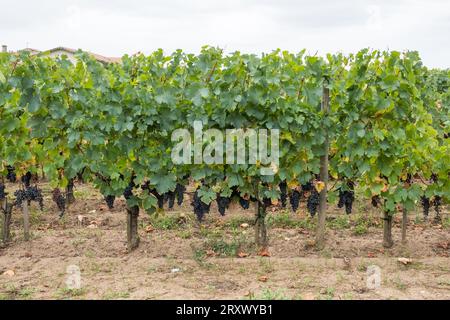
320, 232
26, 220
132, 228
404, 224
7, 211
387, 231
260, 226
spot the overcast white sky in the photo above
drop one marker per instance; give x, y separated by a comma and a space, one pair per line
116, 27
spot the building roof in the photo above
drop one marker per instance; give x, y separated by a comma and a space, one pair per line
73, 51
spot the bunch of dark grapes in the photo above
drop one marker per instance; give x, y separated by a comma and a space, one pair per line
437, 204
21, 196
179, 190
11, 175
160, 197
26, 179
346, 198
60, 201
2, 191
434, 178
245, 204
313, 202
223, 203
283, 191
294, 199
375, 201
33, 193
109, 199
267, 202
171, 198
307, 187
128, 192
425, 205
200, 208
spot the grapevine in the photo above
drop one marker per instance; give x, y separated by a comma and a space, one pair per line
60, 201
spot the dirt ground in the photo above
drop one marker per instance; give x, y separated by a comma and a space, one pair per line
179, 258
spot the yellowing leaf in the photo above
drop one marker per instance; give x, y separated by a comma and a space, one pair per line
320, 185
293, 184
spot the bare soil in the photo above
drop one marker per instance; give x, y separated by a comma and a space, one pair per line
179, 258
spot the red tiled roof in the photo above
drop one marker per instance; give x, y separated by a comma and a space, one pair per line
70, 50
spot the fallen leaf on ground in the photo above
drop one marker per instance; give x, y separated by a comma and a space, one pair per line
242, 254
263, 278
210, 253
405, 261
149, 229
264, 253
310, 243
443, 245
9, 273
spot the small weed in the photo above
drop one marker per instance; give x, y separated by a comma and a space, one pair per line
348, 296
82, 194
307, 282
116, 295
90, 254
328, 294
165, 221
199, 256
236, 222
66, 293
362, 267
269, 294
14, 293
26, 293
281, 220
185, 234
339, 277
326, 253
224, 248
266, 265
242, 270
399, 284
446, 223
341, 222
361, 226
